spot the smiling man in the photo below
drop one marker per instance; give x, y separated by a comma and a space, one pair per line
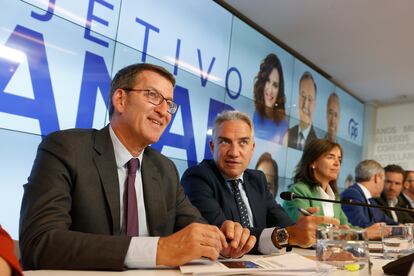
224, 188
102, 199
301, 134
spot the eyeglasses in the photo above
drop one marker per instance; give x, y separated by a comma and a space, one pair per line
156, 98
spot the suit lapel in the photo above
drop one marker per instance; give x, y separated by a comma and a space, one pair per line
155, 207
106, 165
254, 201
228, 197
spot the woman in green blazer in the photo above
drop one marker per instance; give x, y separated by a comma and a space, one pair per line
315, 176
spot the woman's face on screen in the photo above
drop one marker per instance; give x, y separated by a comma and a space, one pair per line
271, 89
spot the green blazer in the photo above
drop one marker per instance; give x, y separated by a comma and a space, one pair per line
303, 189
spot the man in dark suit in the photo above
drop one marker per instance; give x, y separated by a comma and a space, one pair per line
391, 195
103, 199
225, 189
301, 134
369, 176
407, 195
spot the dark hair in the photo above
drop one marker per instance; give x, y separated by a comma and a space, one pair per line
406, 172
126, 78
266, 157
266, 67
312, 151
308, 76
393, 168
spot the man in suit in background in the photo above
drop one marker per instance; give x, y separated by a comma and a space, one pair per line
391, 195
301, 134
369, 177
408, 193
224, 188
102, 199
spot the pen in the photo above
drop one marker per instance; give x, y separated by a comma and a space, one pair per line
304, 212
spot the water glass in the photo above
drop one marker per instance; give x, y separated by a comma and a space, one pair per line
347, 249
396, 240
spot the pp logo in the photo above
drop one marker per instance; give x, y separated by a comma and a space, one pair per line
353, 129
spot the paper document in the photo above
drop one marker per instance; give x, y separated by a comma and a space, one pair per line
286, 264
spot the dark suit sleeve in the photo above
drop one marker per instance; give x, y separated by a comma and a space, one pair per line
357, 215
46, 238
202, 193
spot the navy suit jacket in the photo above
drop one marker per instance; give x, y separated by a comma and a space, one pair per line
359, 215
208, 191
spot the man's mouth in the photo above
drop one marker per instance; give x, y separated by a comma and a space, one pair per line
155, 122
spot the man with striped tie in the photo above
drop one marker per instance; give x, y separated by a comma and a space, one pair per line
224, 188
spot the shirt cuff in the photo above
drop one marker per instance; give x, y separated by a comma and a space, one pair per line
266, 245
142, 252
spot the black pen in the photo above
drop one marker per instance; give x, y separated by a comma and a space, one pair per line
304, 212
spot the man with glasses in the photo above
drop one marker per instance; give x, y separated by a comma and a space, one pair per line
102, 199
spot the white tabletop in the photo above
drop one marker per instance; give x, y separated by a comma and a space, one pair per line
377, 261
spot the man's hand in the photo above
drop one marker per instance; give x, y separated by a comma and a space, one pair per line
303, 233
240, 239
192, 242
374, 231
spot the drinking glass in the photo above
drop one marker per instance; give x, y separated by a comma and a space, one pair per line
396, 240
346, 249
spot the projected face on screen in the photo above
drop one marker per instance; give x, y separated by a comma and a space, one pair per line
307, 100
332, 116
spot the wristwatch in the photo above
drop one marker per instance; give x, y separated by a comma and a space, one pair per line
280, 237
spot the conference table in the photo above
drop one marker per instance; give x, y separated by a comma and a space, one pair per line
377, 260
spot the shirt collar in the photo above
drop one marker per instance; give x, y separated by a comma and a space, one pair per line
367, 194
329, 194
392, 202
122, 155
409, 199
305, 131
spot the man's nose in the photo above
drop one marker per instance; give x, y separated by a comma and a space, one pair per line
162, 108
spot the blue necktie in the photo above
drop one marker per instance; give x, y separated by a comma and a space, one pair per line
240, 203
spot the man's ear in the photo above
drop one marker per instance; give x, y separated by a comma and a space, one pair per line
212, 147
118, 100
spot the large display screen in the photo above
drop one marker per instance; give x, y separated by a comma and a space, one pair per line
57, 59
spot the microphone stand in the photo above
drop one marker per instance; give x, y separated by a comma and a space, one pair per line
350, 202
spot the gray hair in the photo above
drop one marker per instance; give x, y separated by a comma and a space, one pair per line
367, 169
230, 115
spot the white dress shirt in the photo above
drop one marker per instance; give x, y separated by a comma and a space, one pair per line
393, 203
266, 245
327, 207
142, 251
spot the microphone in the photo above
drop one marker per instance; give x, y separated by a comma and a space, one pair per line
292, 196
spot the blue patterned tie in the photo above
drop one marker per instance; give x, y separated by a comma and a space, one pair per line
240, 203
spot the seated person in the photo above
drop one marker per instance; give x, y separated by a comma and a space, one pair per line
316, 175
9, 265
408, 193
224, 188
391, 195
102, 199
369, 176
